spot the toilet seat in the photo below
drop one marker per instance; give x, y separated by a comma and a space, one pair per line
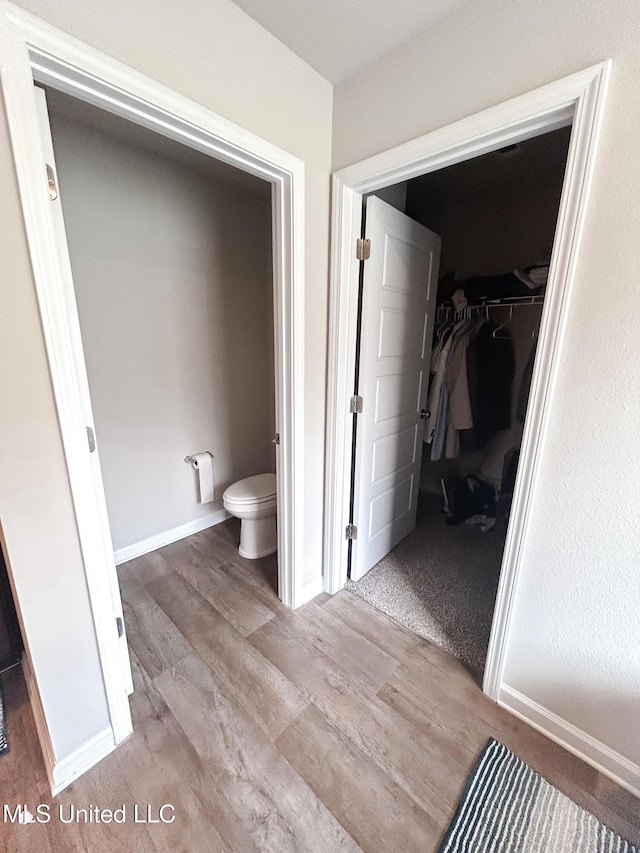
252, 490
243, 508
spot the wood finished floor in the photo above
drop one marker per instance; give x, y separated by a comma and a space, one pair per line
329, 729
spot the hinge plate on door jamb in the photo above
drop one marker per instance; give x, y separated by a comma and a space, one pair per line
119, 625
355, 405
363, 249
91, 439
351, 532
51, 183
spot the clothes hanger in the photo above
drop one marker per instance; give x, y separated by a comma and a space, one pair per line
508, 320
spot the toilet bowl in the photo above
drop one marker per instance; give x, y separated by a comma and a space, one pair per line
253, 501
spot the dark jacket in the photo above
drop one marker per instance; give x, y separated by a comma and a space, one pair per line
491, 366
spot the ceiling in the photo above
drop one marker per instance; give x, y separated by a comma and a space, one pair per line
532, 166
510, 195
339, 37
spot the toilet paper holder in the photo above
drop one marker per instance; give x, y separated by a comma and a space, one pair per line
191, 459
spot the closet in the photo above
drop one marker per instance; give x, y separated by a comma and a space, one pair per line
496, 217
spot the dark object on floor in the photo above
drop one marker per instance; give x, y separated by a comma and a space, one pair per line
508, 807
472, 496
4, 743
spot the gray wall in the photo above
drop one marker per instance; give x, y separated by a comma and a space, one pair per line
172, 271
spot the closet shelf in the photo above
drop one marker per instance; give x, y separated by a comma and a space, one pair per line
497, 303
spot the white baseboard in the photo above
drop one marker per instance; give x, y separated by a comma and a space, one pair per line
62, 773
309, 591
591, 750
39, 718
145, 546
82, 759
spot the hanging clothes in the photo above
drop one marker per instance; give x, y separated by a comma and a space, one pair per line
469, 399
448, 376
438, 367
491, 367
460, 415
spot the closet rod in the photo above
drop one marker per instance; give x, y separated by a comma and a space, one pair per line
512, 302
515, 300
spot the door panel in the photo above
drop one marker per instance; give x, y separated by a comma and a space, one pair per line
395, 327
397, 395
83, 387
398, 307
388, 508
393, 452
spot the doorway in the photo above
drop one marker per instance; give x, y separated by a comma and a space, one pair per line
167, 259
170, 252
576, 101
48, 58
170, 256
435, 477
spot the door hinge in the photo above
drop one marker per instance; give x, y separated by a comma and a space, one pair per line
355, 405
119, 625
51, 183
351, 532
276, 438
363, 249
91, 439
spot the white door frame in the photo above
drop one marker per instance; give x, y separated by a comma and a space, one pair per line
31, 50
577, 99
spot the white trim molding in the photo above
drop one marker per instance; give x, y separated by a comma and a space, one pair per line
311, 589
159, 540
586, 747
82, 759
31, 50
65, 771
577, 100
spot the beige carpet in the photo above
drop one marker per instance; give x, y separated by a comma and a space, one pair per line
441, 582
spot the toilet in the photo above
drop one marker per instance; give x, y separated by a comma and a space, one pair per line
253, 501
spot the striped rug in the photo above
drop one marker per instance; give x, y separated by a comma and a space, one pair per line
507, 807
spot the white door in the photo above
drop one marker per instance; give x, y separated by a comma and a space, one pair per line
398, 308
83, 386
